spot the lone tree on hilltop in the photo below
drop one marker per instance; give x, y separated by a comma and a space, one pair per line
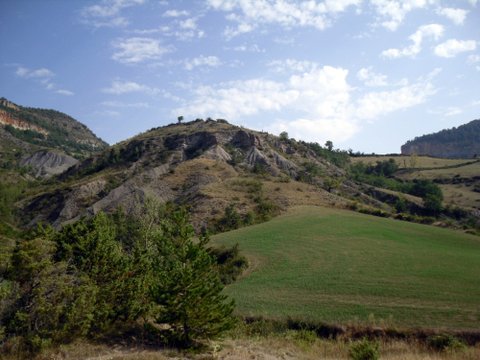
180, 119
329, 145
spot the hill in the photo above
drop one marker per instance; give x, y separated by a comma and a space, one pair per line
46, 141
206, 165
332, 266
461, 142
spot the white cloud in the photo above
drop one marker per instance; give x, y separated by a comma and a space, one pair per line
138, 49
456, 15
453, 47
432, 31
393, 12
65, 92
326, 106
42, 76
34, 73
124, 87
369, 78
248, 14
106, 13
249, 48
188, 24
175, 13
473, 59
453, 110
292, 65
211, 61
118, 104
375, 104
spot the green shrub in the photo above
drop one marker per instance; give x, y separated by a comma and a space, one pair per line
364, 350
444, 342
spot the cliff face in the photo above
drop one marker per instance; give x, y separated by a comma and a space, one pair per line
461, 142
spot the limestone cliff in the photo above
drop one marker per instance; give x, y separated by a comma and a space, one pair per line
461, 142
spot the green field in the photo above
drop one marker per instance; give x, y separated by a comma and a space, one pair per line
342, 267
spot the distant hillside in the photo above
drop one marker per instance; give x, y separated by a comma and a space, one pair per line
461, 142
43, 142
31, 128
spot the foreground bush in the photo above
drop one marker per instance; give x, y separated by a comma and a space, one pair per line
364, 350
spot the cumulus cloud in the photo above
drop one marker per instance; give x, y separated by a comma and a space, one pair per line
41, 73
138, 49
432, 31
249, 14
370, 78
292, 65
65, 92
118, 104
175, 13
107, 13
249, 48
44, 77
124, 87
453, 47
327, 107
392, 12
210, 61
456, 15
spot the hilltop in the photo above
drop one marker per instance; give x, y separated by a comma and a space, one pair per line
461, 142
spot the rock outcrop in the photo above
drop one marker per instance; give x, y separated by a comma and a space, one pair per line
462, 142
46, 163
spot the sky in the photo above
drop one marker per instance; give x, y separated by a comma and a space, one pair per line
367, 75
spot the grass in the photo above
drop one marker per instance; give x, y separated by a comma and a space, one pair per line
405, 161
341, 267
465, 171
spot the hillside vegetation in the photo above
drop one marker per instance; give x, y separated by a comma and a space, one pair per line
340, 267
33, 128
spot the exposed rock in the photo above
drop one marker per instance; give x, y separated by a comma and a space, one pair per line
217, 153
46, 163
461, 142
255, 157
285, 164
245, 140
7, 119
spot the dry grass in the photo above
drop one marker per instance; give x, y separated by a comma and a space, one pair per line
286, 346
462, 171
406, 161
460, 195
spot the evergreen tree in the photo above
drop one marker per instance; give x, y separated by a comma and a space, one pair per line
188, 286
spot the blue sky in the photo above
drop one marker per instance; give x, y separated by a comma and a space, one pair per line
366, 74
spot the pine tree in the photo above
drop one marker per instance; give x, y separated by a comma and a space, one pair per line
188, 286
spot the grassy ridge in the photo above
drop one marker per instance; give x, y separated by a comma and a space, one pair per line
338, 266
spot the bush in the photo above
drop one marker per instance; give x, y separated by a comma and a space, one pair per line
364, 350
444, 342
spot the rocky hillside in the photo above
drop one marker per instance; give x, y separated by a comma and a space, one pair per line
207, 165
45, 141
462, 142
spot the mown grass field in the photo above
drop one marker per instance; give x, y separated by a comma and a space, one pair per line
341, 267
